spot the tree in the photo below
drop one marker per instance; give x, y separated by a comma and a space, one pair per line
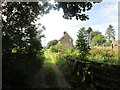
82, 45
87, 33
107, 44
17, 29
98, 39
94, 33
19, 32
57, 48
89, 30
75, 9
52, 43
110, 33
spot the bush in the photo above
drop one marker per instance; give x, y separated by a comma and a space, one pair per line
107, 44
20, 72
71, 49
53, 49
104, 56
57, 48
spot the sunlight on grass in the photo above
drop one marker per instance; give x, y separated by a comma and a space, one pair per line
50, 75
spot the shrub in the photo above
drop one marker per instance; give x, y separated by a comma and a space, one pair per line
60, 47
107, 44
104, 56
53, 49
72, 49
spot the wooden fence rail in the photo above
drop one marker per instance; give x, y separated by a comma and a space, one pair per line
106, 77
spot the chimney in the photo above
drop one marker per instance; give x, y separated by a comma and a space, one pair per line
65, 32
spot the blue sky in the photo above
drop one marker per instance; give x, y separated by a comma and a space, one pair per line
100, 16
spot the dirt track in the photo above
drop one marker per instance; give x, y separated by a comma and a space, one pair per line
40, 82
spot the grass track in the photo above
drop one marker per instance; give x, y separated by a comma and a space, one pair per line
50, 76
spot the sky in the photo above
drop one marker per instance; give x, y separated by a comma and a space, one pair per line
100, 17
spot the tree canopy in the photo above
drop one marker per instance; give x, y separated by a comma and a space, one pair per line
75, 9
20, 40
52, 43
98, 39
87, 33
94, 33
82, 45
89, 30
17, 30
110, 33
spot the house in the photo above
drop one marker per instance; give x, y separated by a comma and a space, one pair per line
66, 40
116, 44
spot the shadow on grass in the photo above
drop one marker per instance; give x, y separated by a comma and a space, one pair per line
50, 76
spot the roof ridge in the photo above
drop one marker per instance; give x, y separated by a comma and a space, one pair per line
65, 34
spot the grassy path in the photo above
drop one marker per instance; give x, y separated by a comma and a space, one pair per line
49, 75
61, 82
39, 80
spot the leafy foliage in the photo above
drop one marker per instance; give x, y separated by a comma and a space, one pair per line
53, 49
110, 33
21, 42
104, 56
82, 45
17, 30
75, 9
107, 44
57, 48
84, 74
93, 34
52, 43
98, 39
89, 30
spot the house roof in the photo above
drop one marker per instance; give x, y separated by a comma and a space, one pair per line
64, 36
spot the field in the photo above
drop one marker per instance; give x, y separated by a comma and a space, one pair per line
100, 71
104, 56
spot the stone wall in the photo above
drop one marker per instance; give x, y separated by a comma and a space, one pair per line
108, 47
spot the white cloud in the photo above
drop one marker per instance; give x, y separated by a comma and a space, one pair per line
102, 27
110, 1
55, 26
110, 11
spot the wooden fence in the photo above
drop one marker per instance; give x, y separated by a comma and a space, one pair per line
99, 75
107, 47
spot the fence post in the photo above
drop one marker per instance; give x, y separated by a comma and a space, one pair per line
112, 46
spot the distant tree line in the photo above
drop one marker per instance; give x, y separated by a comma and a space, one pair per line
52, 43
95, 38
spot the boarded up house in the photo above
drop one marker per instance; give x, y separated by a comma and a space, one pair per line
66, 41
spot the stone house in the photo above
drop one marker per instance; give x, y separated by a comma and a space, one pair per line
116, 44
66, 40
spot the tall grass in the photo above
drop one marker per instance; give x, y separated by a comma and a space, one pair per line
50, 76
104, 56
69, 72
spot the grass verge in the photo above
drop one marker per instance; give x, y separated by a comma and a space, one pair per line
50, 76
